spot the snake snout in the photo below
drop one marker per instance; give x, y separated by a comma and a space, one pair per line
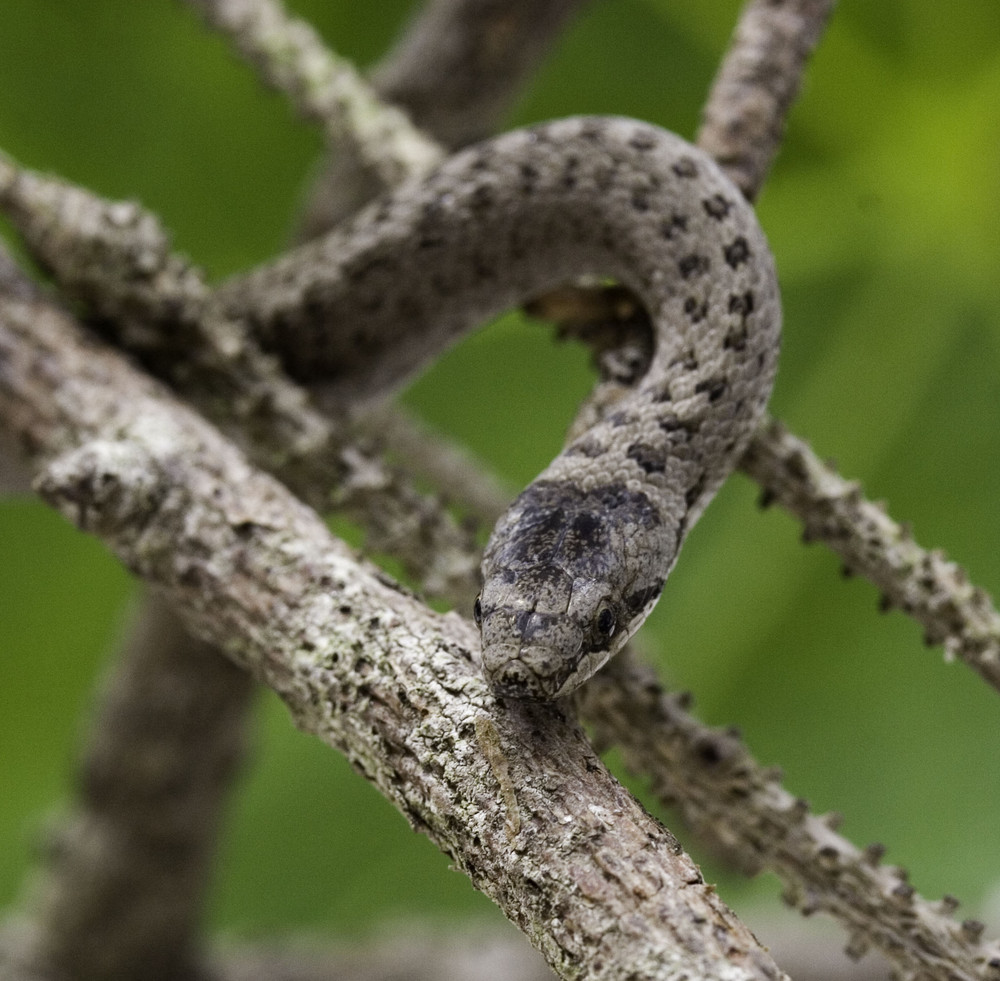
526, 672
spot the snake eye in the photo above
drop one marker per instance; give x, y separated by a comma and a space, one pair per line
606, 621
477, 611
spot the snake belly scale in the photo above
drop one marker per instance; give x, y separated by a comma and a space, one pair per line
580, 557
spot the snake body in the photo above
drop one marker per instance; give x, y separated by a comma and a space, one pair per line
580, 557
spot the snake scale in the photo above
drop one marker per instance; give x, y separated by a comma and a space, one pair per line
580, 557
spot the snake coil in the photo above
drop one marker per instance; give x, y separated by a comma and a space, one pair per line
580, 557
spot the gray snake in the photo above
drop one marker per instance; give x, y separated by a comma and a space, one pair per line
580, 557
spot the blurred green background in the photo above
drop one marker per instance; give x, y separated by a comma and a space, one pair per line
883, 210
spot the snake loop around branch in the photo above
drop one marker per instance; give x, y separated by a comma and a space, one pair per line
580, 557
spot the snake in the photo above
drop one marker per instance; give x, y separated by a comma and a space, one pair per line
580, 557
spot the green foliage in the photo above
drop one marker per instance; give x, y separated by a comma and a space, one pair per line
883, 210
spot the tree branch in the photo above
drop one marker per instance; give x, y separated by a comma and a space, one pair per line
290, 57
455, 71
743, 121
115, 258
512, 793
126, 873
925, 585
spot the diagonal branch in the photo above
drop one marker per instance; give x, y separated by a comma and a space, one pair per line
925, 585
512, 793
116, 258
291, 57
743, 121
456, 71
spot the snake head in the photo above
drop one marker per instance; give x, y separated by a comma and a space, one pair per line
568, 576
546, 650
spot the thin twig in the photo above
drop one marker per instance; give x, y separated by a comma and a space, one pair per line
597, 884
291, 57
925, 585
743, 121
456, 72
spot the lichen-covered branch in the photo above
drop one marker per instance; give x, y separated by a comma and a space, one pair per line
512, 793
741, 811
115, 258
743, 121
289, 56
124, 878
925, 585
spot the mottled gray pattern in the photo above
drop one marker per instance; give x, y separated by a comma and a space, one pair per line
578, 561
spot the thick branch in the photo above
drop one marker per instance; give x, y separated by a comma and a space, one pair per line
126, 873
743, 121
513, 793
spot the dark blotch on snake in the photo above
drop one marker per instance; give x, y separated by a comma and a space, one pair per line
714, 387
717, 206
737, 252
693, 265
677, 223
697, 310
651, 459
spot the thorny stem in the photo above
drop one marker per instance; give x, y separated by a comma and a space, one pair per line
925, 585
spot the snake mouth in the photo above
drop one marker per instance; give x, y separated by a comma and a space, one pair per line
540, 673
530, 672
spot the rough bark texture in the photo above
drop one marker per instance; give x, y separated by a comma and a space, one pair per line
741, 811
290, 57
115, 258
924, 584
